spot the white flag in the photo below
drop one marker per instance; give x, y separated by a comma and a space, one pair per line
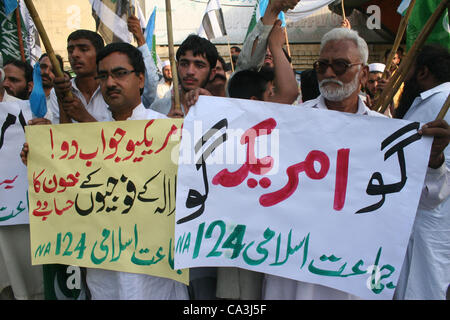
213, 25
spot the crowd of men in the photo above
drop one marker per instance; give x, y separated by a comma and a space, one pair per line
121, 82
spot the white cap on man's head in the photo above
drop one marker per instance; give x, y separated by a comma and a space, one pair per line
165, 64
376, 67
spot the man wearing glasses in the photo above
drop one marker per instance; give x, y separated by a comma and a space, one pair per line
121, 75
341, 71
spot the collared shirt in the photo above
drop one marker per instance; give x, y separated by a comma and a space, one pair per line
279, 288
426, 270
96, 106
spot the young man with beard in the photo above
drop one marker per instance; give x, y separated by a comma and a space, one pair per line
425, 273
121, 73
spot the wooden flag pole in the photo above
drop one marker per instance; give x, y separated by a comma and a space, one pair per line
19, 34
399, 76
398, 38
444, 109
51, 54
173, 65
229, 52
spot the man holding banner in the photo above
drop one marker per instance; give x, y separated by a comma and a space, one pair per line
121, 72
341, 70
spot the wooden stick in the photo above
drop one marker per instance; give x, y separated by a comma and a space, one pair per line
399, 76
173, 65
229, 52
444, 109
19, 34
51, 54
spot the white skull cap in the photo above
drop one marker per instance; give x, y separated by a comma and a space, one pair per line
376, 67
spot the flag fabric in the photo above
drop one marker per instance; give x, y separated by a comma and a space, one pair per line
422, 11
111, 19
258, 12
9, 40
10, 6
213, 23
38, 101
62, 282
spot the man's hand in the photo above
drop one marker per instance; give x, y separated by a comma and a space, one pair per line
275, 7
24, 153
75, 109
134, 26
440, 131
191, 97
346, 24
62, 85
38, 121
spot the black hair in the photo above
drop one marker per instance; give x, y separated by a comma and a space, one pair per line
224, 64
199, 46
248, 83
93, 37
58, 57
134, 55
309, 85
24, 66
434, 57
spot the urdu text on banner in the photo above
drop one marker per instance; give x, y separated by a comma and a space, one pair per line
313, 195
13, 173
102, 195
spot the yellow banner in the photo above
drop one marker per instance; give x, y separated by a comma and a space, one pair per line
102, 195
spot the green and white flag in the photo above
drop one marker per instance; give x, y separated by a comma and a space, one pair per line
9, 40
419, 17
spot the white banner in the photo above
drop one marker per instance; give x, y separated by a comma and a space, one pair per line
13, 173
318, 196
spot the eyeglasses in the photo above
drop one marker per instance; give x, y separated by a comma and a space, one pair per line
339, 66
117, 74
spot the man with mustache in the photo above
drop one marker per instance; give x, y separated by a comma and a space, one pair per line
425, 272
121, 74
341, 70
196, 62
18, 79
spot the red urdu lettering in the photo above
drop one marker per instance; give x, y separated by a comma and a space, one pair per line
252, 164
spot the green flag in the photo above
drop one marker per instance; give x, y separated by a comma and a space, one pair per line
9, 40
419, 16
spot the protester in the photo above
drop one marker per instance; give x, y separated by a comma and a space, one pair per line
425, 272
4, 96
375, 84
217, 85
18, 79
341, 69
165, 84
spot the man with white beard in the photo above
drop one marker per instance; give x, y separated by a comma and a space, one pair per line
341, 70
